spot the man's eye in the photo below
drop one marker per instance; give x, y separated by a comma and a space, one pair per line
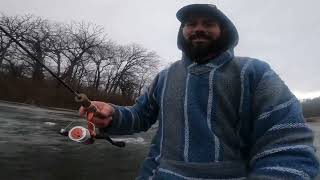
190, 24
210, 24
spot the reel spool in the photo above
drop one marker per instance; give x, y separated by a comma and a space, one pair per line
82, 135
79, 134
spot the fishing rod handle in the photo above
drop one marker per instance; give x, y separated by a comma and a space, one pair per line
85, 102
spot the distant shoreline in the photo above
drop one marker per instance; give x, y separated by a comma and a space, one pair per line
313, 119
36, 105
308, 119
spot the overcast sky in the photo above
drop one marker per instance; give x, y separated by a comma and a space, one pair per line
284, 33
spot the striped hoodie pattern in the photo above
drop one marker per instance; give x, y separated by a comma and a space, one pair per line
231, 118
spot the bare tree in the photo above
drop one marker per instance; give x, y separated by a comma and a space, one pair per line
16, 27
81, 39
13, 65
145, 77
131, 60
78, 52
36, 39
57, 47
102, 56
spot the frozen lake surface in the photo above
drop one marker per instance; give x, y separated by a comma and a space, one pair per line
31, 148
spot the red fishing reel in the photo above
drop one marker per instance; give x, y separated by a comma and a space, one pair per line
79, 134
88, 135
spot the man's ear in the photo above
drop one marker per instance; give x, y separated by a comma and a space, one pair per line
182, 25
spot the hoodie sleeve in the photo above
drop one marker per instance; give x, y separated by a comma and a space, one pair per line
282, 143
139, 117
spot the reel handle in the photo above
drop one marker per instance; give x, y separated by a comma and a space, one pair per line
120, 144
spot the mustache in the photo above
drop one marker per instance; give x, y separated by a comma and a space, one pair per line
200, 35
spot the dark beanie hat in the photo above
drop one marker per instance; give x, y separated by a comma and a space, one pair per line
199, 9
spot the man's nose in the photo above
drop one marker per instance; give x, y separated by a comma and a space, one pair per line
199, 27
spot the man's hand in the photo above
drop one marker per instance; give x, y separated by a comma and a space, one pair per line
103, 117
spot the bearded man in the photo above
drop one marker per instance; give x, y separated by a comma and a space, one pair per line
220, 116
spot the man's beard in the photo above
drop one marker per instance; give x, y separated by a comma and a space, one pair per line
199, 52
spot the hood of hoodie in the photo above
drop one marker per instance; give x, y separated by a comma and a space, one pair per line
229, 33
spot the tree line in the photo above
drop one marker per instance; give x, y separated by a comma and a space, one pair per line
80, 53
311, 108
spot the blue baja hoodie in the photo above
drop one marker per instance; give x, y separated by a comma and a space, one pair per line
229, 118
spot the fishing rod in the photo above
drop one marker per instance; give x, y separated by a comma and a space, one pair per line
77, 133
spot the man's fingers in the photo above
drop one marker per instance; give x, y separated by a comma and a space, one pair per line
103, 116
106, 110
99, 114
103, 109
100, 123
82, 111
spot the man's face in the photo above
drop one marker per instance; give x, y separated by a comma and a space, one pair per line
201, 35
